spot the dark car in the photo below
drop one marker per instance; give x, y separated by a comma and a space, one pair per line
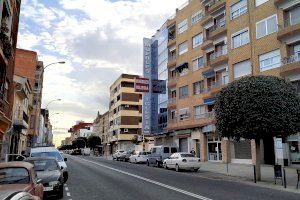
76, 152
51, 174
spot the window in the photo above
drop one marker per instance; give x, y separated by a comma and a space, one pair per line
196, 17
238, 9
198, 63
184, 113
240, 38
173, 114
294, 16
183, 92
269, 60
173, 150
197, 40
198, 87
199, 111
182, 26
242, 69
154, 150
166, 150
266, 26
259, 2
183, 48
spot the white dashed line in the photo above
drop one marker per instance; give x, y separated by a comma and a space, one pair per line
68, 194
150, 181
66, 188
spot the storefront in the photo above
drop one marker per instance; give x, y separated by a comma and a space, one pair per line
294, 149
214, 147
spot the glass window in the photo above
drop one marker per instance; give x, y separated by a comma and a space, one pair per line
53, 154
197, 40
242, 69
16, 175
166, 150
45, 165
183, 48
241, 38
183, 92
269, 60
295, 15
199, 111
266, 26
198, 87
184, 113
182, 26
196, 17
173, 150
198, 63
187, 155
259, 2
238, 9
154, 150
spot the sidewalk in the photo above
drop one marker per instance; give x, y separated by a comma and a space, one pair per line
245, 172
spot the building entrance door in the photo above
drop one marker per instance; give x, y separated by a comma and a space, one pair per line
214, 148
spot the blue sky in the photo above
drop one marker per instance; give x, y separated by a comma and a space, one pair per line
98, 39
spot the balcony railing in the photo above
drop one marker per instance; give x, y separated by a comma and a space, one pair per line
220, 24
171, 100
172, 120
205, 115
214, 85
290, 22
25, 117
217, 54
4, 107
290, 59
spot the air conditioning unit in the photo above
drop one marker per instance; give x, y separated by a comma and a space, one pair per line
126, 106
125, 130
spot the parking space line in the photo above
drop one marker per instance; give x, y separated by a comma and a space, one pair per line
66, 188
68, 194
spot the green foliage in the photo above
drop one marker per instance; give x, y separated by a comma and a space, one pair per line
257, 107
7, 47
93, 141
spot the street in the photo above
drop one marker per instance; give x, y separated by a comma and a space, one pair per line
97, 178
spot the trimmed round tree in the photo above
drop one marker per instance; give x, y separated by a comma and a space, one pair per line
258, 107
93, 141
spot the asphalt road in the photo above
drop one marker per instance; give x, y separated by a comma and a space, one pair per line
96, 178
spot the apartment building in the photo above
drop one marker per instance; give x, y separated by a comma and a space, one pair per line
28, 65
125, 113
9, 16
101, 128
214, 42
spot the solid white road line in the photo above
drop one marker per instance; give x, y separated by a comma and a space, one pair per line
150, 181
68, 194
66, 188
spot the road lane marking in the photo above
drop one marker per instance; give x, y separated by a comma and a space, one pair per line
66, 188
68, 194
150, 181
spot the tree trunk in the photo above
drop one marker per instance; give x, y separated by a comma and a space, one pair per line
257, 160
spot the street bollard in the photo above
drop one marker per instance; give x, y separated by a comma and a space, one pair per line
284, 178
254, 168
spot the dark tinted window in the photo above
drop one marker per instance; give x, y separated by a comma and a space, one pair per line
154, 150
173, 150
166, 150
53, 154
16, 175
45, 165
187, 155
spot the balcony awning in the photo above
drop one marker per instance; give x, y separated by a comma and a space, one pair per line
183, 132
182, 66
208, 128
209, 74
210, 101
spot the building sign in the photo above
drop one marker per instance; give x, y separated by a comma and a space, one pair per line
159, 86
141, 85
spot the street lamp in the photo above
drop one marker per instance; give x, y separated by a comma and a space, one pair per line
51, 102
53, 114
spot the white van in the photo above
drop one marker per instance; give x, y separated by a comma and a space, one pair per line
159, 153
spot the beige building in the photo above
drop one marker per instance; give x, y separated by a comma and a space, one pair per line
125, 113
101, 129
214, 42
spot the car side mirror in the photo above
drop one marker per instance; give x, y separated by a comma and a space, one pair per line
65, 159
61, 167
39, 181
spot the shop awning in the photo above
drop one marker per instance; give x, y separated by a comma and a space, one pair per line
208, 128
209, 74
182, 132
210, 101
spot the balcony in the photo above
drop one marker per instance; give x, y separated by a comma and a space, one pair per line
207, 43
172, 120
172, 100
21, 123
214, 87
288, 30
217, 29
290, 65
209, 115
172, 61
218, 57
216, 5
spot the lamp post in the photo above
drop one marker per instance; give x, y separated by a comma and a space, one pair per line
51, 102
53, 114
38, 97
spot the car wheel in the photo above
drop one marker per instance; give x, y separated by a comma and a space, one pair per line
165, 165
148, 164
195, 170
60, 192
177, 168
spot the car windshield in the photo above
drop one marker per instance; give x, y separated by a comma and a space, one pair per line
143, 153
45, 165
17, 175
187, 155
53, 154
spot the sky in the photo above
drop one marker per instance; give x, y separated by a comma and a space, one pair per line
98, 40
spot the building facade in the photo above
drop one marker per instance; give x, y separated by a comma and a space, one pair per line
9, 15
125, 113
101, 129
212, 43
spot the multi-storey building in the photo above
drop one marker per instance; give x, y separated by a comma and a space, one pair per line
125, 113
214, 42
81, 129
27, 65
101, 128
9, 16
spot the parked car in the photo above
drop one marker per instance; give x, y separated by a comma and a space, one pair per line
76, 152
51, 174
181, 160
125, 155
17, 195
20, 176
51, 152
86, 151
117, 154
159, 153
139, 157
